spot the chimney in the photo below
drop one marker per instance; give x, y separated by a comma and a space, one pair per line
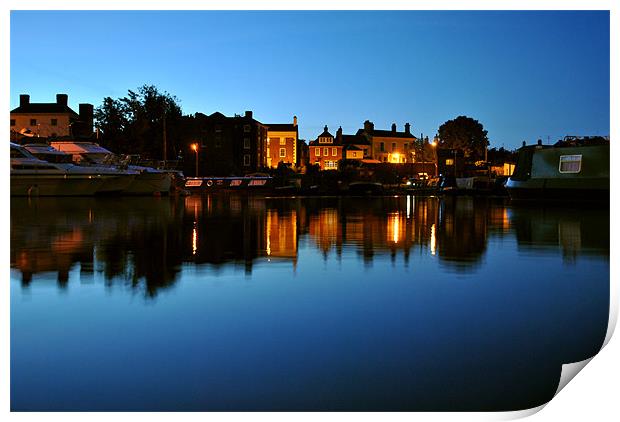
24, 99
248, 114
407, 128
294, 120
339, 133
369, 127
393, 127
62, 99
86, 117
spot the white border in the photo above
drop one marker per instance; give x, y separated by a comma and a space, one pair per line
593, 395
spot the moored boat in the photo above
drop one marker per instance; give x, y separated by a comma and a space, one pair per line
147, 180
117, 180
574, 169
31, 176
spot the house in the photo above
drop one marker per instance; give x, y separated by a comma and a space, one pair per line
282, 144
326, 151
389, 146
356, 147
230, 146
51, 119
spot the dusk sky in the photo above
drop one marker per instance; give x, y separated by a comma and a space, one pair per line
523, 75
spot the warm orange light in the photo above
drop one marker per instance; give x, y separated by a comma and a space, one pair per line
195, 147
433, 144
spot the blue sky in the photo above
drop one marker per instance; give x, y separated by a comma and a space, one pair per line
523, 75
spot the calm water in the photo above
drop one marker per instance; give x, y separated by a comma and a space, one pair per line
236, 303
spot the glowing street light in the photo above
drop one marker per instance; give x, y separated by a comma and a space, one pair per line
434, 145
195, 148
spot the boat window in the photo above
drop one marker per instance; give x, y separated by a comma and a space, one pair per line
32, 167
523, 168
570, 163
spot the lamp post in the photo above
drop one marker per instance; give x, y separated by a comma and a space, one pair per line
434, 145
195, 148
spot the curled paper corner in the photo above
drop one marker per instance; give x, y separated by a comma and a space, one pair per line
518, 414
569, 370
613, 311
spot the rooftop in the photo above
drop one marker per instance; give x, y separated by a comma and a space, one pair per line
41, 108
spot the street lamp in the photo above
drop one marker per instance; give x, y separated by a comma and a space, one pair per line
434, 145
195, 148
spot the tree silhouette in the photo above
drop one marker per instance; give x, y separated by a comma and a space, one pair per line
135, 123
466, 134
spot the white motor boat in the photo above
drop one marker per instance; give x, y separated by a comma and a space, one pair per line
117, 179
148, 180
33, 177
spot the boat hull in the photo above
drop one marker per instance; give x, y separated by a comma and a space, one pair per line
55, 185
116, 184
149, 183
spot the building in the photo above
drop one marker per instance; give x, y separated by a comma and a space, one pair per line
355, 147
326, 151
389, 146
282, 144
50, 120
230, 146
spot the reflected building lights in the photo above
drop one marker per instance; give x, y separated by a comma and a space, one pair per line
194, 240
408, 207
393, 227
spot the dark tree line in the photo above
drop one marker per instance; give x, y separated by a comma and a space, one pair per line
141, 122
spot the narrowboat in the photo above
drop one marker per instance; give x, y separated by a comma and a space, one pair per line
574, 169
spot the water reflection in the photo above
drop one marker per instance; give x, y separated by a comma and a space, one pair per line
144, 242
393, 303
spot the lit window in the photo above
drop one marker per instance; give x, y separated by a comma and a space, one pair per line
449, 162
318, 152
334, 151
54, 122
246, 143
282, 141
326, 151
246, 160
570, 163
282, 152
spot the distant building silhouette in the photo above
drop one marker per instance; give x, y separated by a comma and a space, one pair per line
231, 145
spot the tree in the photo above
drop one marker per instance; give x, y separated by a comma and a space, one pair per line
466, 134
140, 123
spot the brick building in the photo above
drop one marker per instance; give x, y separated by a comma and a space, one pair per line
230, 146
